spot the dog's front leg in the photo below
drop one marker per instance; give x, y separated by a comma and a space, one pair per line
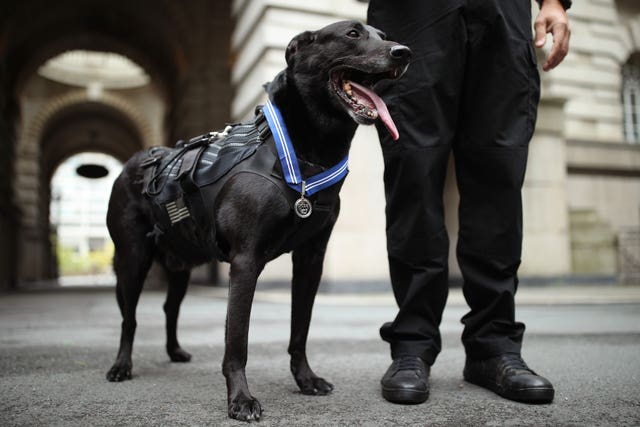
307, 270
243, 276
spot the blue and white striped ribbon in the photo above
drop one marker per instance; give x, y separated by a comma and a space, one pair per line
289, 161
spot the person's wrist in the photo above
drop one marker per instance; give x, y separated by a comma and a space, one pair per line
566, 4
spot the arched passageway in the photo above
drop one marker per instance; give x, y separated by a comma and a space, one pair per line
183, 48
80, 240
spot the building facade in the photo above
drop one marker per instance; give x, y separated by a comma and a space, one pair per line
207, 61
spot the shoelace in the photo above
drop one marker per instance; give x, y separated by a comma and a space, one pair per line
513, 362
409, 363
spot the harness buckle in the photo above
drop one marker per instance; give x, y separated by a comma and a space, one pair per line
150, 161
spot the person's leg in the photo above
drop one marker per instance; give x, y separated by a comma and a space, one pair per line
424, 105
497, 119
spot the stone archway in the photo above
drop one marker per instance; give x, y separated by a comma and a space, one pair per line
55, 105
182, 46
67, 125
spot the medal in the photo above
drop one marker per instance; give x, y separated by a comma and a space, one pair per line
302, 206
290, 168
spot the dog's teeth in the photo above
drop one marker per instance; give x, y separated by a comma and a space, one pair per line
347, 89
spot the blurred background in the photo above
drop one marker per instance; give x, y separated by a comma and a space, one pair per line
84, 84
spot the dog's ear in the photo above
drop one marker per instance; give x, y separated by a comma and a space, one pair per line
298, 42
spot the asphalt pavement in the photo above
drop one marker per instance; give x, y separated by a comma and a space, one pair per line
56, 346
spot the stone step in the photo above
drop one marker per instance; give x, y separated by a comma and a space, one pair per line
583, 216
593, 243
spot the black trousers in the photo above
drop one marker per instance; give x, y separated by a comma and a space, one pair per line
472, 88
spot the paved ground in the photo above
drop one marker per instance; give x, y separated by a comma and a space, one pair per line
56, 346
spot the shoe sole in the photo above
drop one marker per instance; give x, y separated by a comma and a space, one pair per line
524, 395
404, 396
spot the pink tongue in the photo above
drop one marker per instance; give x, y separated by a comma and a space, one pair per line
383, 112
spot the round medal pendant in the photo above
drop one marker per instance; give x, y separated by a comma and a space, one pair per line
302, 207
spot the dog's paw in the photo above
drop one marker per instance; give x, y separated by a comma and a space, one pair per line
119, 372
245, 408
315, 386
178, 355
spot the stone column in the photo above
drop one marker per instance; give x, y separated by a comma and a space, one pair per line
8, 211
546, 247
203, 93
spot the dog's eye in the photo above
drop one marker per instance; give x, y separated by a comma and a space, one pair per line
354, 34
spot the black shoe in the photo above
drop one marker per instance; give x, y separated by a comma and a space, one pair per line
406, 381
508, 376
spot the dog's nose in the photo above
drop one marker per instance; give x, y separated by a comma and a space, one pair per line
400, 52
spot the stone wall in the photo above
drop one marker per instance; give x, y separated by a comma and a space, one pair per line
590, 76
603, 170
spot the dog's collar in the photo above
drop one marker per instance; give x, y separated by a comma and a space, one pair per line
289, 161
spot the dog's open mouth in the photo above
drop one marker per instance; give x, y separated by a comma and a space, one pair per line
354, 89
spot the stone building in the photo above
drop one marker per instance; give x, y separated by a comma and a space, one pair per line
206, 61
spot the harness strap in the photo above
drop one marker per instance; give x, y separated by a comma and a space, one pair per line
184, 175
186, 150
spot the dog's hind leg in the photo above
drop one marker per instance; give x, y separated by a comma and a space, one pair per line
178, 282
243, 276
307, 270
131, 264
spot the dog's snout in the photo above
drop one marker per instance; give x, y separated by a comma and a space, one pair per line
400, 52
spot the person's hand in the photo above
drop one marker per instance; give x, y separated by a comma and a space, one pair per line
552, 18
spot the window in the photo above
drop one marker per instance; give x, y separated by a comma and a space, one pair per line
631, 99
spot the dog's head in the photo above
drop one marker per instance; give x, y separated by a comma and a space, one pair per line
342, 62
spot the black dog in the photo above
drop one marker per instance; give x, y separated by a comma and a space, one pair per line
258, 207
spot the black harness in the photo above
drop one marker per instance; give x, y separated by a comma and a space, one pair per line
183, 184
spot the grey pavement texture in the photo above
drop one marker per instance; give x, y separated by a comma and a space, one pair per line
56, 346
